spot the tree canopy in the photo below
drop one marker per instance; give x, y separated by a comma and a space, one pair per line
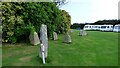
19, 19
102, 22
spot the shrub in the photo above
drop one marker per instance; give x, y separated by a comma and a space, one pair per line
19, 19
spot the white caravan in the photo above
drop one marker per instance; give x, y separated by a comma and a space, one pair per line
96, 27
92, 27
87, 27
106, 28
116, 28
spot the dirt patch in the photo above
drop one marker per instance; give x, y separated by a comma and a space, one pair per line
27, 58
18, 64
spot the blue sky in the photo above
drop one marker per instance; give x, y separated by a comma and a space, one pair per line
90, 11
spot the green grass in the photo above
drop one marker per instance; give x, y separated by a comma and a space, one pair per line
95, 49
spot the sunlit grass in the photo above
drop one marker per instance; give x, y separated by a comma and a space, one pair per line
95, 49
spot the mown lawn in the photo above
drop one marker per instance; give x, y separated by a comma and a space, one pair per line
95, 49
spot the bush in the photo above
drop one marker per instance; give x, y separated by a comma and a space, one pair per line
19, 19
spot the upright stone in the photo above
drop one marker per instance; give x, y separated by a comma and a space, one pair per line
55, 36
82, 33
34, 39
43, 40
67, 38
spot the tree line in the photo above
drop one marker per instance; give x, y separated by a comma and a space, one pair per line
19, 19
100, 22
107, 22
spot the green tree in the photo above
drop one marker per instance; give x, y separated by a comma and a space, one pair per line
10, 20
65, 25
22, 18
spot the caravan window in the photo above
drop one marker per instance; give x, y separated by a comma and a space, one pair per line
103, 26
86, 26
107, 26
95, 26
117, 27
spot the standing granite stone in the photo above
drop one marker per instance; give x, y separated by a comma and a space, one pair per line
43, 40
55, 36
34, 39
67, 38
82, 33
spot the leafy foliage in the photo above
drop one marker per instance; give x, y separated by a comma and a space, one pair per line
77, 26
11, 21
67, 21
102, 22
19, 19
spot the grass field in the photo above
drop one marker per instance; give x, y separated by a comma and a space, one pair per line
95, 49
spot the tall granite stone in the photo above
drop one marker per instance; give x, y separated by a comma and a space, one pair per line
67, 38
82, 33
34, 39
43, 40
55, 36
